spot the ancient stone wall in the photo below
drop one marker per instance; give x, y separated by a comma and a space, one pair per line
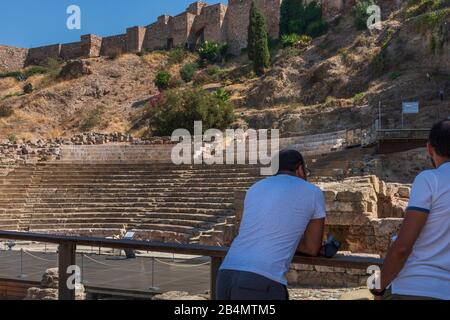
157, 34
200, 22
180, 27
135, 38
209, 24
71, 50
114, 45
12, 58
237, 20
90, 45
40, 55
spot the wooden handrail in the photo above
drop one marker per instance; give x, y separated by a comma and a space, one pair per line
68, 244
187, 249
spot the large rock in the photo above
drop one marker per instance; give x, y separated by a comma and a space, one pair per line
75, 69
49, 288
50, 279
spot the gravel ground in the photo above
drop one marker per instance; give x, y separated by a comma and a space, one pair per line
302, 293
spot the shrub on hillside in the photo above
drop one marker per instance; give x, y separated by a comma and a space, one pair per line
316, 28
180, 108
379, 63
162, 80
28, 88
12, 138
53, 67
223, 95
24, 75
296, 18
92, 119
360, 14
35, 70
394, 75
5, 111
114, 53
289, 40
212, 52
188, 71
214, 70
418, 7
177, 55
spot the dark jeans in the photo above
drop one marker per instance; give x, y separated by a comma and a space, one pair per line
390, 296
241, 285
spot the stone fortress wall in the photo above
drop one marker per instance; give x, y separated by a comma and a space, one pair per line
200, 22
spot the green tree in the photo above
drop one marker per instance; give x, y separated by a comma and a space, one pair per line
291, 17
260, 39
296, 18
179, 108
360, 14
252, 31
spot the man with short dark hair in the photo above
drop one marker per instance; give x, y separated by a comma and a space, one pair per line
417, 265
282, 214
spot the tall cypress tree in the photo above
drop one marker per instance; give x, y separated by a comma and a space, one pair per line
252, 31
261, 54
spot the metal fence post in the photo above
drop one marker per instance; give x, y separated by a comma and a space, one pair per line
66, 258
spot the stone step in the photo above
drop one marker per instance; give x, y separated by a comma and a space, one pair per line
222, 211
8, 180
106, 215
54, 194
123, 164
128, 180
4, 189
132, 174
123, 221
11, 211
118, 226
134, 188
143, 170
120, 204
119, 199
144, 183
5, 220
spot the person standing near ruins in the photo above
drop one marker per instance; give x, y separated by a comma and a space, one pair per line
282, 214
417, 266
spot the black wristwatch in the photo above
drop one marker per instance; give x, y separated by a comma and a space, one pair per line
377, 292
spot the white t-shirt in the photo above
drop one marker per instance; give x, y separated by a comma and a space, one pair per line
277, 211
427, 270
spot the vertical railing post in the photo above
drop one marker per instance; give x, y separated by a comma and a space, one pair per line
215, 265
66, 258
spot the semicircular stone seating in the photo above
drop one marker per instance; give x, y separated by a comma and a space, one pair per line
162, 202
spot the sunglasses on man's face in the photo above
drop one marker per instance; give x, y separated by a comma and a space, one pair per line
306, 170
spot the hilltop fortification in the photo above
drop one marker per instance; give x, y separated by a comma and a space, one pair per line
199, 22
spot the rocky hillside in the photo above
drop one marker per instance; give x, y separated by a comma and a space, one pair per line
334, 82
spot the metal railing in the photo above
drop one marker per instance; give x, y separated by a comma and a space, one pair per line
68, 245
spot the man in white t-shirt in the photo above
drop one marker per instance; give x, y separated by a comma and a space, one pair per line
282, 214
417, 265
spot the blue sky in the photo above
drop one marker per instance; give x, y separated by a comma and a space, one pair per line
32, 23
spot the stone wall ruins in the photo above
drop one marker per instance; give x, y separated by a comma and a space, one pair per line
12, 58
200, 22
